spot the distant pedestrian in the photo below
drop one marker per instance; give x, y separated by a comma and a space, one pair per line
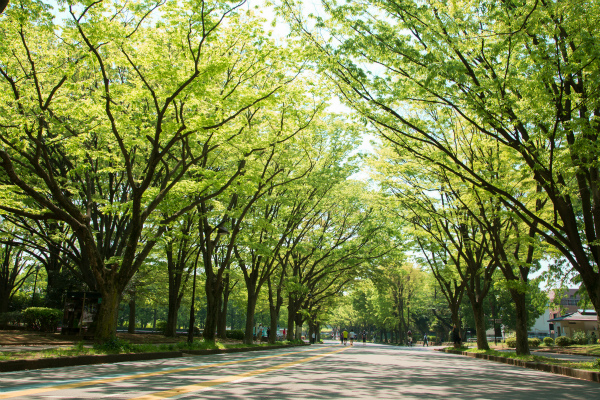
313, 338
341, 337
352, 338
364, 338
425, 341
409, 339
268, 332
345, 337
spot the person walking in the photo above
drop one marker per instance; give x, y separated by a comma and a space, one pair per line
425, 341
364, 338
409, 339
352, 338
341, 336
345, 334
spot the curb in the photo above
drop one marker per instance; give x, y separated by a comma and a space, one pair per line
555, 369
58, 362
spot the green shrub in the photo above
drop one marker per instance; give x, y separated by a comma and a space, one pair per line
580, 338
42, 318
237, 334
511, 342
534, 342
562, 341
432, 339
11, 318
161, 326
548, 341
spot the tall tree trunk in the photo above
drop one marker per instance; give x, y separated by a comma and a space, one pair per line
293, 307
318, 327
275, 303
106, 326
222, 316
214, 292
298, 320
250, 311
172, 313
55, 286
482, 343
177, 281
4, 300
131, 326
520, 302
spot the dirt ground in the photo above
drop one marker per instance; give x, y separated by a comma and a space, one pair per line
22, 338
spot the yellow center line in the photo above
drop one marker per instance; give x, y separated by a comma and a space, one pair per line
207, 384
29, 392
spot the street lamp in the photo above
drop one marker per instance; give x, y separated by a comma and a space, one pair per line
221, 230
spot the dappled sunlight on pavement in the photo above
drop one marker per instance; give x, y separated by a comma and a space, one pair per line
326, 371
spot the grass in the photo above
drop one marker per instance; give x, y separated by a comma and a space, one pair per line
586, 350
592, 365
117, 346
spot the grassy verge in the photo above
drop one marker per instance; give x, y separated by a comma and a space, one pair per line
592, 365
117, 346
585, 350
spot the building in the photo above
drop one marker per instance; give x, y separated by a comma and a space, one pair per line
562, 320
581, 320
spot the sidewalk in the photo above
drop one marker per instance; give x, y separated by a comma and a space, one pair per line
592, 376
568, 357
18, 341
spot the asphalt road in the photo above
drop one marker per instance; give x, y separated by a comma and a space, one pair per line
329, 371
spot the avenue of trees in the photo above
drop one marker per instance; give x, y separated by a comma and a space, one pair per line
487, 114
174, 136
176, 149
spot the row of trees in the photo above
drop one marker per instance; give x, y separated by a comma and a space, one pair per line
488, 117
176, 136
398, 297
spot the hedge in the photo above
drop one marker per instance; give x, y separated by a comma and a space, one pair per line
42, 318
563, 341
237, 334
548, 341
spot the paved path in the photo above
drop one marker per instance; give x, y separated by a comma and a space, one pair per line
569, 357
33, 348
328, 371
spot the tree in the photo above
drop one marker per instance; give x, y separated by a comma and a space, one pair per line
15, 268
453, 242
181, 253
104, 118
522, 75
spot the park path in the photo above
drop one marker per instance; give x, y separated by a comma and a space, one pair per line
329, 371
